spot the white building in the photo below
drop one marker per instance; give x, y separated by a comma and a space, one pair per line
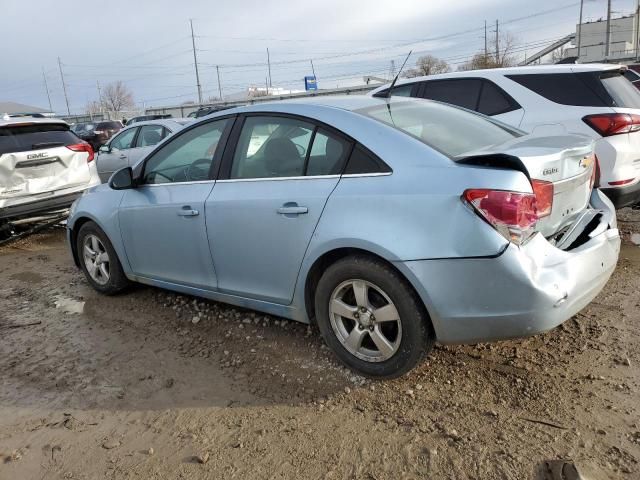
592, 38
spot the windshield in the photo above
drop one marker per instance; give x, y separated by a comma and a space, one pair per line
450, 130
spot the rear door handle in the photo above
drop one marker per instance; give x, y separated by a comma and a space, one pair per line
292, 210
187, 211
123, 156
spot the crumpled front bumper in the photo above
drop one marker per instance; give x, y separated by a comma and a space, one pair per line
524, 291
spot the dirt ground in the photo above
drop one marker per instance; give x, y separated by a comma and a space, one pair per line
150, 384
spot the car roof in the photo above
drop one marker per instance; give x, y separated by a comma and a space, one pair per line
342, 102
4, 121
166, 122
524, 70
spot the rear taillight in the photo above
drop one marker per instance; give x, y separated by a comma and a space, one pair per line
595, 173
513, 214
543, 191
607, 124
617, 183
82, 147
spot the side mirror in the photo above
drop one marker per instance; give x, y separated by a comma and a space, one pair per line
104, 149
122, 179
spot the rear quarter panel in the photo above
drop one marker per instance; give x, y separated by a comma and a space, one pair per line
414, 213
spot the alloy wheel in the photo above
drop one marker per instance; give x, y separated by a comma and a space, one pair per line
365, 320
96, 259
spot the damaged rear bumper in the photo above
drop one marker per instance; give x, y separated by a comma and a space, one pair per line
524, 291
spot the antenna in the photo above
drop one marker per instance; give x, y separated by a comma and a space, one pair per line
393, 84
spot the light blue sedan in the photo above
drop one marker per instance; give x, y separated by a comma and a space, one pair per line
391, 224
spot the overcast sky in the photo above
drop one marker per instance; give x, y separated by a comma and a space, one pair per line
147, 43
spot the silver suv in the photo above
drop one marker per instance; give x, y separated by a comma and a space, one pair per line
44, 166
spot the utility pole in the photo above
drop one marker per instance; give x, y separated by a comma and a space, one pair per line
269, 65
219, 85
266, 84
636, 36
64, 87
580, 29
608, 34
100, 99
485, 41
46, 87
497, 45
195, 64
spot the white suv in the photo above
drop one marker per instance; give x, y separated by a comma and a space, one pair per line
44, 166
594, 99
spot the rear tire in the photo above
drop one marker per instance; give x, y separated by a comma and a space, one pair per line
371, 317
99, 260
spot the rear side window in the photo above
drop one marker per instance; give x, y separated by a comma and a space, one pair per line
494, 100
149, 135
328, 154
399, 91
23, 138
363, 161
109, 125
271, 147
563, 88
463, 93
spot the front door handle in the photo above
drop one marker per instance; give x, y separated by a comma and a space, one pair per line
187, 211
292, 210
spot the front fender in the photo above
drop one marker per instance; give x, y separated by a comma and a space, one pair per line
101, 207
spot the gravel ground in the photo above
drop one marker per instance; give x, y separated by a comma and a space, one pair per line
150, 384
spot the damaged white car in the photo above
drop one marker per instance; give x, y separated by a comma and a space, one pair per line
44, 166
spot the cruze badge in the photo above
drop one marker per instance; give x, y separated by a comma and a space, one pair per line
586, 161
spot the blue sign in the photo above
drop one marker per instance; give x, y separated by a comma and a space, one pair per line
310, 83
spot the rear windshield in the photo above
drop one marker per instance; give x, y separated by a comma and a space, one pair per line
622, 91
450, 130
83, 127
23, 138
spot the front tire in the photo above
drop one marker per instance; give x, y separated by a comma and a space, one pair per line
371, 317
99, 260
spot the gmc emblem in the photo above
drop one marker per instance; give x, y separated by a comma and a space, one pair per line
34, 156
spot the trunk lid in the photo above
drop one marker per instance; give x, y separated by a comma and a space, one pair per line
34, 159
566, 161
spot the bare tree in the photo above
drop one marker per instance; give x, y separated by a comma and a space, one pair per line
93, 108
428, 65
505, 57
117, 97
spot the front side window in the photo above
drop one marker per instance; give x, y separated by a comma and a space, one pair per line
463, 93
150, 135
448, 129
328, 154
124, 140
271, 147
188, 157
